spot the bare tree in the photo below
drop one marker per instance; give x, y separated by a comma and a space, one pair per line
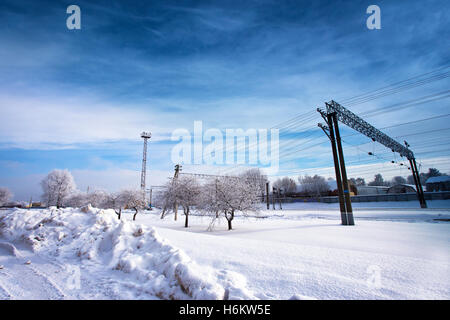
187, 191
230, 196
76, 200
398, 180
167, 198
358, 181
114, 201
256, 177
132, 199
5, 196
57, 186
96, 198
379, 181
313, 185
287, 184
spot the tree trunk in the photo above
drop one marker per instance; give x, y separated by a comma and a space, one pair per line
134, 215
186, 222
230, 219
119, 213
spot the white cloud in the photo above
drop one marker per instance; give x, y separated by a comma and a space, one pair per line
37, 122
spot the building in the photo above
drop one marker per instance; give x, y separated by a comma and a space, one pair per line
371, 190
402, 188
435, 184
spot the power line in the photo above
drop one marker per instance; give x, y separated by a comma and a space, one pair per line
394, 84
407, 104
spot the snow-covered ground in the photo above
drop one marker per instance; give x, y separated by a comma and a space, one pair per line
301, 251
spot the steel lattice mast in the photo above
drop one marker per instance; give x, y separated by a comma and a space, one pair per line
353, 121
145, 136
336, 112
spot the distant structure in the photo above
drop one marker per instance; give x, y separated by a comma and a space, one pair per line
145, 136
371, 190
402, 188
436, 184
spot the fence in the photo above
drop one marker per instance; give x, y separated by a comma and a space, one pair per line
442, 195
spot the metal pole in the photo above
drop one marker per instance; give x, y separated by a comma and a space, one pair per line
175, 176
344, 219
151, 193
273, 198
279, 198
267, 195
423, 203
348, 201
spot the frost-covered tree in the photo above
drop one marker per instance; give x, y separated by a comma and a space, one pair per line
167, 198
228, 196
410, 179
115, 201
286, 184
398, 180
256, 177
132, 199
76, 200
96, 198
357, 182
57, 186
5, 196
379, 181
183, 191
313, 185
187, 192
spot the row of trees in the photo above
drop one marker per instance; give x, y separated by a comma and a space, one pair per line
317, 185
59, 189
424, 176
221, 197
217, 197
309, 185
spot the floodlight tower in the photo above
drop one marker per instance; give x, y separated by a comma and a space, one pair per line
145, 136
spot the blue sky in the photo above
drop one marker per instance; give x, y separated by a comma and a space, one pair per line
78, 99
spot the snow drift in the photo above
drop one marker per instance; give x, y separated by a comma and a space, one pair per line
99, 241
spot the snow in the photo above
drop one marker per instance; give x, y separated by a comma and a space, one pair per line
131, 260
395, 251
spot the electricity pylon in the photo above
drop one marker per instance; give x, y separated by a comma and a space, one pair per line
334, 113
145, 136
